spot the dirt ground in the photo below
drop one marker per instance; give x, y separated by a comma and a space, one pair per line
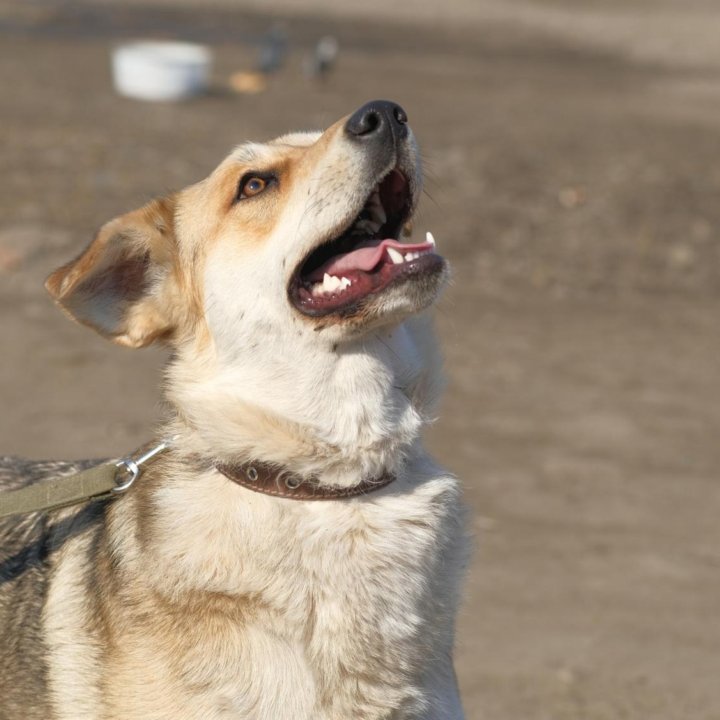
573, 182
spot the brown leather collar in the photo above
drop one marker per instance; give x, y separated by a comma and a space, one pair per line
271, 480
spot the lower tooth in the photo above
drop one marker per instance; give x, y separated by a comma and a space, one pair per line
395, 256
330, 283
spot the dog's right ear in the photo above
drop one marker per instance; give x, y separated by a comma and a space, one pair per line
122, 283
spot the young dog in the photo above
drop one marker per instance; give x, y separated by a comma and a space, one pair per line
295, 553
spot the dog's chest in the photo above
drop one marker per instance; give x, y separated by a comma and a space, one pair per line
343, 611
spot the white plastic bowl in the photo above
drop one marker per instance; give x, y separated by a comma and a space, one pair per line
161, 70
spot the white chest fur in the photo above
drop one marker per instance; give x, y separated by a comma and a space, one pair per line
345, 609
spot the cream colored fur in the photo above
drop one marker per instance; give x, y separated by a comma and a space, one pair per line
217, 602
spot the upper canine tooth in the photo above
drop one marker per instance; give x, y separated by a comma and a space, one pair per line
395, 256
429, 237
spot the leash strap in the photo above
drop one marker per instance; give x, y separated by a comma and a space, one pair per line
96, 482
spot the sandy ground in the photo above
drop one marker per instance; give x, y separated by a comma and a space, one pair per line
573, 183
678, 32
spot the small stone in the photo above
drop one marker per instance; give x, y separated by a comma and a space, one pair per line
10, 259
566, 676
572, 197
682, 256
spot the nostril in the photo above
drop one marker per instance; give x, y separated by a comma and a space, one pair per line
400, 115
371, 122
365, 123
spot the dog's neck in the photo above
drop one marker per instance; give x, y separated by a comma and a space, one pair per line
339, 413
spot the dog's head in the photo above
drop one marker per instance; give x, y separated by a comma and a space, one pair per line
302, 231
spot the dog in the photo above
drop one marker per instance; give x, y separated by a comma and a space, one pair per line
303, 361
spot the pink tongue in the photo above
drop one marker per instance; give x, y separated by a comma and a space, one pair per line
365, 258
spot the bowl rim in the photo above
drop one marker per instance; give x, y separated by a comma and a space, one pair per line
164, 50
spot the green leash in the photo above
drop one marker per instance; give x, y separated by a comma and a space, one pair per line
104, 480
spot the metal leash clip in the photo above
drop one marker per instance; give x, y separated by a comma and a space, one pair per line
134, 467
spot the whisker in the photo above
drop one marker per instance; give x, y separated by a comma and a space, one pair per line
431, 198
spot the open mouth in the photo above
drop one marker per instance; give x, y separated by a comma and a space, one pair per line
366, 258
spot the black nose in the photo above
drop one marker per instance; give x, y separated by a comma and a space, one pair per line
376, 119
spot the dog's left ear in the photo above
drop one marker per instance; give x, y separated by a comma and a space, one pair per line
121, 284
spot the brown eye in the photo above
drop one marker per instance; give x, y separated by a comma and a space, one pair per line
251, 186
254, 182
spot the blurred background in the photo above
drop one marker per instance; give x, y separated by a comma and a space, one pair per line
572, 151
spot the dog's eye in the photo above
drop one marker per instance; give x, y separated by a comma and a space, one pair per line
251, 185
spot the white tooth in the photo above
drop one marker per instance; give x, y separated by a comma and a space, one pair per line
317, 289
345, 282
429, 237
411, 256
395, 256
